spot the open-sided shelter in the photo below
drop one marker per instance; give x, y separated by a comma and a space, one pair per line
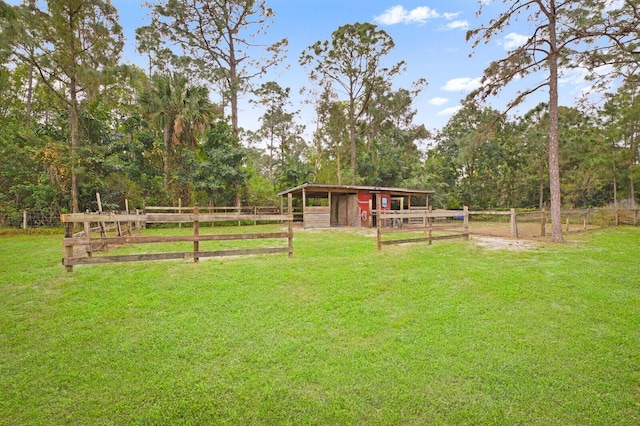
342, 205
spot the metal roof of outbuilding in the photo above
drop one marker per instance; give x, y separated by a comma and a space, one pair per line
316, 190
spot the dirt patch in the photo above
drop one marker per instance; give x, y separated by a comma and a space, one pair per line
495, 243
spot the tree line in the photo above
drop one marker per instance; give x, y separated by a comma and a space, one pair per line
75, 120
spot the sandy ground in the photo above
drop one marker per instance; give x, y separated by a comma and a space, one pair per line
496, 243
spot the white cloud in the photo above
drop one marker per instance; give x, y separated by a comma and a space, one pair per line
399, 15
450, 16
514, 40
422, 14
462, 84
449, 111
438, 101
457, 25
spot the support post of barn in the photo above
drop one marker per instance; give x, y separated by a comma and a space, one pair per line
290, 221
196, 232
304, 207
378, 222
514, 223
466, 222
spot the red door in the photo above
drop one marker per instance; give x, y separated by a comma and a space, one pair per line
364, 209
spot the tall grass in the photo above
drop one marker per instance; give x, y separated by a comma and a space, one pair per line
340, 334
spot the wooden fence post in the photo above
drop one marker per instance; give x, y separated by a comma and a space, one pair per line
290, 221
68, 250
138, 223
543, 225
429, 222
585, 221
144, 212
514, 223
196, 232
635, 217
568, 219
87, 234
466, 222
126, 209
103, 227
24, 219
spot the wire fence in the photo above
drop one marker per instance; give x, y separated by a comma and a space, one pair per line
31, 219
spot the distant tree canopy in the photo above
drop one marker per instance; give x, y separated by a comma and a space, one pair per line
76, 121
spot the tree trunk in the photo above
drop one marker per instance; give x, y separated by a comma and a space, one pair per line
615, 186
165, 155
352, 139
541, 186
233, 86
30, 93
75, 139
554, 169
339, 165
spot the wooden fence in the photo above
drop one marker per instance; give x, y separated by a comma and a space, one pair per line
411, 226
79, 248
530, 224
446, 224
242, 210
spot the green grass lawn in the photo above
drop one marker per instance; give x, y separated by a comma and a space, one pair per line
340, 334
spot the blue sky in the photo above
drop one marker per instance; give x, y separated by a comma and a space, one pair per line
429, 35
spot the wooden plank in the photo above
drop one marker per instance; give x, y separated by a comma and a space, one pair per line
414, 229
315, 220
69, 262
167, 217
391, 214
405, 240
172, 239
424, 239
489, 213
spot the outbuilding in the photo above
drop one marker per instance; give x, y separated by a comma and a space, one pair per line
325, 206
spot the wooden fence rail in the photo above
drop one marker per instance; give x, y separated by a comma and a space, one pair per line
86, 242
448, 223
574, 220
391, 222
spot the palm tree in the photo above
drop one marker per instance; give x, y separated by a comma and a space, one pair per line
182, 112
